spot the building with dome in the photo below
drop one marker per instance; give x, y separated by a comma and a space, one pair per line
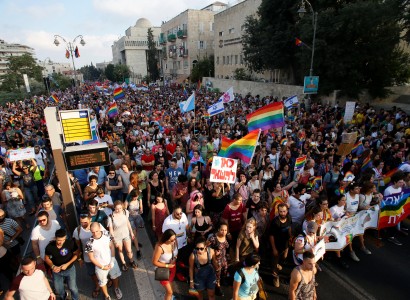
131, 49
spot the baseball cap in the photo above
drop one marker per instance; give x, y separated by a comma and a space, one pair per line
311, 227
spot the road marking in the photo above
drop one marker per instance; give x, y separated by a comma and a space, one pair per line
346, 282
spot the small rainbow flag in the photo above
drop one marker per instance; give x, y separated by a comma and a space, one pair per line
358, 146
367, 163
349, 238
118, 93
267, 117
54, 98
207, 116
112, 110
300, 162
35, 100
243, 148
283, 141
388, 175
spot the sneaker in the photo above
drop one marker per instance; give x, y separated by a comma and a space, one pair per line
404, 232
394, 241
118, 293
108, 298
354, 256
279, 267
276, 282
124, 268
404, 228
133, 265
139, 255
366, 251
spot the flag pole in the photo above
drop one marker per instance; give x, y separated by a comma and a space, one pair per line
250, 161
194, 112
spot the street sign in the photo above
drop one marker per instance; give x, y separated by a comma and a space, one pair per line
311, 85
86, 156
76, 125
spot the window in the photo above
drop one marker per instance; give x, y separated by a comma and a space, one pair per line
231, 30
242, 27
201, 27
185, 64
241, 59
201, 44
231, 59
236, 59
211, 26
227, 60
223, 60
221, 33
178, 65
217, 60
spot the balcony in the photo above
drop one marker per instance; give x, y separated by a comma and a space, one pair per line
182, 34
162, 40
183, 52
172, 55
172, 38
164, 53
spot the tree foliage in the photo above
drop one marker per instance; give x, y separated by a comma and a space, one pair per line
358, 43
241, 74
121, 72
90, 72
109, 72
17, 66
203, 68
152, 59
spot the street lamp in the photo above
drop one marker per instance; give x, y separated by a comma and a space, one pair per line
45, 74
70, 48
301, 11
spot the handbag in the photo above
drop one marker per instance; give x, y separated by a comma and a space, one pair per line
161, 274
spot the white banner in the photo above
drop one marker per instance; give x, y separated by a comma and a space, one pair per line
21, 154
319, 250
223, 169
342, 232
349, 111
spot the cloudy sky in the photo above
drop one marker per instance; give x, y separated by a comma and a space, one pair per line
34, 23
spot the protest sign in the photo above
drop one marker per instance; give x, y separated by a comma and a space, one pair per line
349, 111
223, 169
319, 250
21, 154
342, 232
394, 208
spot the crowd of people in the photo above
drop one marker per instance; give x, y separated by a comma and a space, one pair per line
208, 234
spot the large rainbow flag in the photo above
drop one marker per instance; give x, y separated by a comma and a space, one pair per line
394, 209
300, 162
112, 110
243, 148
118, 93
267, 117
357, 147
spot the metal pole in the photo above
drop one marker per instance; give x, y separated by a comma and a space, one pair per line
70, 48
314, 15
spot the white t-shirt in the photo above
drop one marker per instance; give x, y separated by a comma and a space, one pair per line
390, 190
105, 199
31, 287
365, 200
85, 236
44, 236
297, 208
352, 203
100, 248
178, 226
337, 211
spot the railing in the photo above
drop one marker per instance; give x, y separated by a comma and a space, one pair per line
183, 53
181, 34
172, 38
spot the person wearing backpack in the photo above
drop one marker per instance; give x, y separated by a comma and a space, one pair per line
245, 284
202, 266
331, 180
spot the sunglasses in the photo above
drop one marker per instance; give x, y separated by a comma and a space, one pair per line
200, 248
111, 173
83, 215
42, 220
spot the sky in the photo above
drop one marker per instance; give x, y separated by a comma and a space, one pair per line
35, 22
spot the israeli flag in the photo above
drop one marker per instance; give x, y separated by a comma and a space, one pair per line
291, 101
188, 105
216, 108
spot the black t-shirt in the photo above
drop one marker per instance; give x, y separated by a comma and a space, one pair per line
280, 232
63, 255
251, 206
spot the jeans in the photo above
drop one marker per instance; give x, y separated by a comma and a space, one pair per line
70, 277
30, 194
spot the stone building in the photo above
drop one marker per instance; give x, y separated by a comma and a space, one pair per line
8, 50
187, 38
131, 49
229, 27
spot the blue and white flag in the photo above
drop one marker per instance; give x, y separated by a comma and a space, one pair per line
216, 108
188, 105
291, 101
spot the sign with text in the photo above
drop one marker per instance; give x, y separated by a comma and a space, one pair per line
319, 250
76, 125
86, 156
342, 232
349, 111
223, 169
310, 84
21, 154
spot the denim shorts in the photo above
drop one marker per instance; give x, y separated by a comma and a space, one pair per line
205, 278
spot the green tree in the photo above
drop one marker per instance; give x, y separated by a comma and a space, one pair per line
12, 80
152, 59
109, 72
357, 43
203, 68
60, 81
90, 72
121, 72
241, 74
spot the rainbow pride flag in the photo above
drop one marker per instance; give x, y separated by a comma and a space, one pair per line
54, 98
367, 163
118, 93
394, 209
283, 141
207, 116
243, 148
112, 110
358, 146
300, 162
388, 175
269, 116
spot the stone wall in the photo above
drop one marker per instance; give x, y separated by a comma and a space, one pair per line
255, 88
